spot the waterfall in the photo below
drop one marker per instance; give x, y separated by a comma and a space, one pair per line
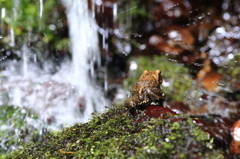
70, 95
85, 52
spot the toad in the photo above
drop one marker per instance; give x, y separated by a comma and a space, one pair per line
146, 90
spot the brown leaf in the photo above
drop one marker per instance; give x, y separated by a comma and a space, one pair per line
65, 152
180, 35
210, 81
169, 49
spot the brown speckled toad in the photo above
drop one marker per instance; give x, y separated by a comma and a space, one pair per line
146, 90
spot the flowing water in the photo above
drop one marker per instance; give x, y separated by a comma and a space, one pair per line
70, 95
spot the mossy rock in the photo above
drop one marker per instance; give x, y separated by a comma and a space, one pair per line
118, 134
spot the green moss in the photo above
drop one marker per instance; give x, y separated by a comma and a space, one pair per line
179, 82
116, 134
17, 127
130, 12
41, 26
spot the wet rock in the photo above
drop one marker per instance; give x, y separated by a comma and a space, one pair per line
179, 107
154, 111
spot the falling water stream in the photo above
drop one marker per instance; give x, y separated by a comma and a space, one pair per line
70, 95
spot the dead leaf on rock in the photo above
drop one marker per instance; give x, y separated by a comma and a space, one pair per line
180, 34
169, 49
210, 81
208, 77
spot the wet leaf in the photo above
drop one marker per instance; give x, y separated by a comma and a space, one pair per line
210, 81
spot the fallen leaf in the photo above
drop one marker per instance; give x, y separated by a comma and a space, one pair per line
169, 49
65, 152
210, 81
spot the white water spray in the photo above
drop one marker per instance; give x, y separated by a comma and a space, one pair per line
60, 98
85, 52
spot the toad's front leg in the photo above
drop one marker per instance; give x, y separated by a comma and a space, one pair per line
156, 95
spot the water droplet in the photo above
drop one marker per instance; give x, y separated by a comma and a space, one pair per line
142, 47
167, 139
226, 16
230, 56
133, 65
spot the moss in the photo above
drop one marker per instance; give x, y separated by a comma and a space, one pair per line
43, 27
130, 12
178, 82
117, 134
17, 127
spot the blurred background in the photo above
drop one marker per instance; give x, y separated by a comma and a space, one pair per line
62, 60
